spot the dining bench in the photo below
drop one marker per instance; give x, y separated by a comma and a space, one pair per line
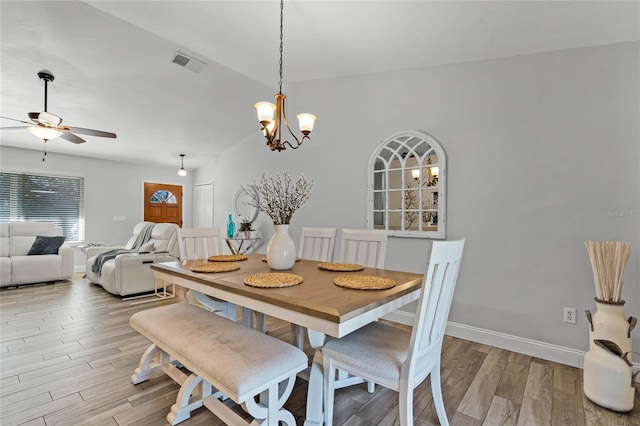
225, 359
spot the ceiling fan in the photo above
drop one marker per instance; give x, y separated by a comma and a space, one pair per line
47, 126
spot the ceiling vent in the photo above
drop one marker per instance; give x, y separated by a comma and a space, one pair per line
188, 62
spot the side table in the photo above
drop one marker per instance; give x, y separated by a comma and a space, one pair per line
241, 245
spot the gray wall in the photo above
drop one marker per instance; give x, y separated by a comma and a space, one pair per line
541, 150
111, 189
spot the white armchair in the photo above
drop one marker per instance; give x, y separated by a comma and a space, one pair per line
129, 272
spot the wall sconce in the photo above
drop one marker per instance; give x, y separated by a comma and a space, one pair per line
416, 174
182, 171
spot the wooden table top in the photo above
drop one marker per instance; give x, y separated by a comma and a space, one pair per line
316, 296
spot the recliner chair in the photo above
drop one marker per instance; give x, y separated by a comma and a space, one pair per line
129, 273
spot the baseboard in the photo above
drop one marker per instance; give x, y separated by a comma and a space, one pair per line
535, 348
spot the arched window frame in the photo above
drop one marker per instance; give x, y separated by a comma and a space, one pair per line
393, 147
163, 196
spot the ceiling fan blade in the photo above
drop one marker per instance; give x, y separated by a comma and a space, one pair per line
15, 119
72, 138
91, 132
14, 127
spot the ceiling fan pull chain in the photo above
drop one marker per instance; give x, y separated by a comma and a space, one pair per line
44, 148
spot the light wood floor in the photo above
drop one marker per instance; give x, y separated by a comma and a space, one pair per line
67, 353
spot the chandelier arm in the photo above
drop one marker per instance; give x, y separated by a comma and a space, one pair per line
286, 123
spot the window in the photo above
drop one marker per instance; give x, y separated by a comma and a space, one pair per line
58, 199
163, 196
407, 186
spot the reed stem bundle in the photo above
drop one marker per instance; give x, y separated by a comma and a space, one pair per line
608, 261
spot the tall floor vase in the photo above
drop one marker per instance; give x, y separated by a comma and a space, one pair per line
281, 251
608, 373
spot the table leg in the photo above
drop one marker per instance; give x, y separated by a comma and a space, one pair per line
315, 411
231, 247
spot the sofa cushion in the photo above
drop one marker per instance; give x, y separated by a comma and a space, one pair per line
164, 237
146, 247
23, 234
4, 239
46, 245
35, 269
32, 228
5, 271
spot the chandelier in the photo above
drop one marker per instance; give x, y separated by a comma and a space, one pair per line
272, 128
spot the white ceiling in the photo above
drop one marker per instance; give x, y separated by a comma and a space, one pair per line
113, 72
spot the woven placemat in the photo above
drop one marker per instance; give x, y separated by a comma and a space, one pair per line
215, 267
227, 258
264, 259
364, 282
273, 280
340, 267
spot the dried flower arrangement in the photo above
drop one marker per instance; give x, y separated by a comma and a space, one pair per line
279, 196
608, 261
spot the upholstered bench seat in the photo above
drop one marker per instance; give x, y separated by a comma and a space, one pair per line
239, 362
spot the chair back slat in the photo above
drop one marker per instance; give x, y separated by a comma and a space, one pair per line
365, 247
317, 244
435, 301
199, 243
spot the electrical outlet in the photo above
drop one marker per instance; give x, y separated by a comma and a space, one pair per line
570, 315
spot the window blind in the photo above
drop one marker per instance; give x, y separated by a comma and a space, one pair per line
43, 198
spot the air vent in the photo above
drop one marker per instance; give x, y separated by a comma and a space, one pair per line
188, 62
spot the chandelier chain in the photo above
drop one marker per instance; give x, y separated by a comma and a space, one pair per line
281, 38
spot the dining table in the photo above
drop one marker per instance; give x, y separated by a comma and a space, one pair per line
326, 310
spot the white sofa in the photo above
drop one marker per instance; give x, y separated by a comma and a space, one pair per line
16, 267
129, 273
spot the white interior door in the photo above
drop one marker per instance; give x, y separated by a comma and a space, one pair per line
203, 205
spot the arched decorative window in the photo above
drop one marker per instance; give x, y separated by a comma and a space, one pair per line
407, 186
163, 196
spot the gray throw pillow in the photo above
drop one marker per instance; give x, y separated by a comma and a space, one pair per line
46, 245
146, 248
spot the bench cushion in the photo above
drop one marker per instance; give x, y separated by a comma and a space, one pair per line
239, 361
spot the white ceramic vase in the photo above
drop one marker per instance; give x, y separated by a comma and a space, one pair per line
281, 251
609, 322
607, 375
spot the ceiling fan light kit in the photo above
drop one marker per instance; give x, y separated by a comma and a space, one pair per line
272, 127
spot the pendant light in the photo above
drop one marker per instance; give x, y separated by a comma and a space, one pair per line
182, 171
272, 128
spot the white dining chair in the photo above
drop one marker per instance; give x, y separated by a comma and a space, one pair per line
315, 244
200, 243
366, 247
398, 359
